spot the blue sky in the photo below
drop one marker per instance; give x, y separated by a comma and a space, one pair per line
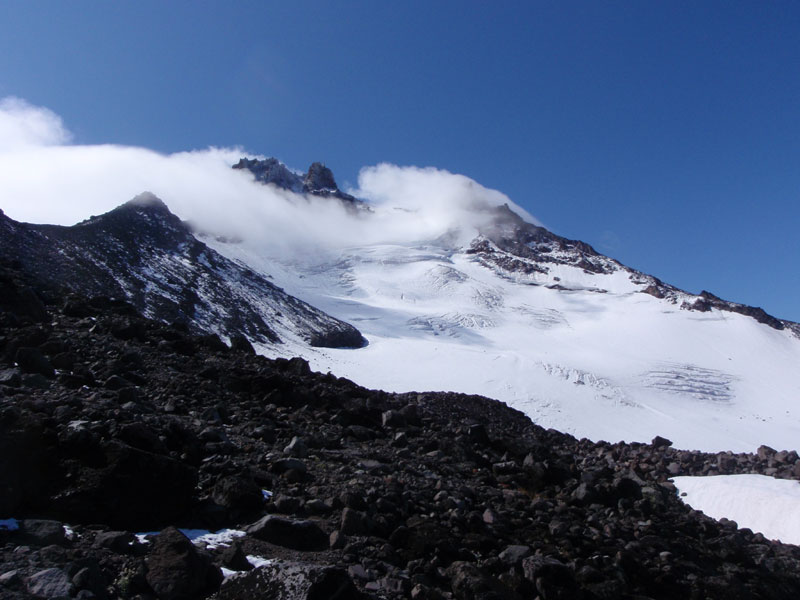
666, 134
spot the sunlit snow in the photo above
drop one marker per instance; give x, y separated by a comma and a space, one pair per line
596, 358
763, 504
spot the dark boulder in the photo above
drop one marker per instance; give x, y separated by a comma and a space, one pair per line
53, 584
28, 465
31, 360
120, 542
289, 533
238, 492
43, 532
132, 489
176, 571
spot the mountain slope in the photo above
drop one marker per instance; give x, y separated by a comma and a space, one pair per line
104, 440
576, 340
143, 253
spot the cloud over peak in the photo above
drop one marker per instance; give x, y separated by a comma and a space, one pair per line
45, 179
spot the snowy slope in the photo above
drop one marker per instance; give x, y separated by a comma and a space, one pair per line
763, 504
597, 359
574, 339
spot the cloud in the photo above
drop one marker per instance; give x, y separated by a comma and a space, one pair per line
44, 179
24, 125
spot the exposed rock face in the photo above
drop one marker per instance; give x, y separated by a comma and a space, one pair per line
271, 170
318, 181
142, 253
319, 178
402, 495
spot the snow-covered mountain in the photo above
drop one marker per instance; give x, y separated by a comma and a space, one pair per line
575, 339
456, 289
143, 253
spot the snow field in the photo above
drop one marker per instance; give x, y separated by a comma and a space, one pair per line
613, 365
763, 504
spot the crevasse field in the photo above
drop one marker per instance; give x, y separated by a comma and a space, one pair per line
596, 358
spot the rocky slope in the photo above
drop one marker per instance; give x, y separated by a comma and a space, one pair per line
112, 424
144, 254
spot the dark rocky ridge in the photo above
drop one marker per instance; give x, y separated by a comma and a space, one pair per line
142, 253
515, 246
115, 424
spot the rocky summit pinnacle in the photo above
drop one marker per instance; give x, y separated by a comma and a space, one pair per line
271, 170
319, 177
318, 180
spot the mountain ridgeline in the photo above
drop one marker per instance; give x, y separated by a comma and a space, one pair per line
142, 253
516, 247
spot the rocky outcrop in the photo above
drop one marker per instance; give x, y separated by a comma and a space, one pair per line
318, 180
271, 170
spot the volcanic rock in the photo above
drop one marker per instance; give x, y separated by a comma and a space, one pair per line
285, 580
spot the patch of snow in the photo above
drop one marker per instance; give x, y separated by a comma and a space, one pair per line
763, 504
259, 561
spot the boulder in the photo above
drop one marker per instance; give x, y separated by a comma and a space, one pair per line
176, 571
53, 584
237, 492
297, 534
120, 542
132, 489
31, 360
284, 580
42, 532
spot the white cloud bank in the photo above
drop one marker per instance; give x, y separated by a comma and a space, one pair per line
43, 179
23, 125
